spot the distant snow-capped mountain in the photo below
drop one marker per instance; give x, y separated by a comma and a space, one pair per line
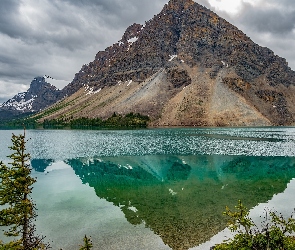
40, 95
19, 102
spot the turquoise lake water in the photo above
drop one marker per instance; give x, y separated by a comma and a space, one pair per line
155, 188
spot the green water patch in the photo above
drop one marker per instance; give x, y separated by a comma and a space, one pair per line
40, 165
181, 198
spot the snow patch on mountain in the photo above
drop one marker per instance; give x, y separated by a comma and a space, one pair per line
172, 57
132, 40
90, 90
40, 95
19, 102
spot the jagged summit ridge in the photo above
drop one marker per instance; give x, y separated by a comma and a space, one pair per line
116, 58
179, 5
168, 33
183, 28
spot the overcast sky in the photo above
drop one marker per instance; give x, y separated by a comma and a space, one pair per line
56, 37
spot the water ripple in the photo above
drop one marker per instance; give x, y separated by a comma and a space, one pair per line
65, 144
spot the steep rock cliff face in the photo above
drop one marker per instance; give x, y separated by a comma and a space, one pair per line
185, 66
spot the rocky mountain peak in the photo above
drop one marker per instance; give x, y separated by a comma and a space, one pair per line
186, 51
39, 85
132, 32
179, 5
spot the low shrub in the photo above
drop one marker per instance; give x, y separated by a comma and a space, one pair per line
274, 233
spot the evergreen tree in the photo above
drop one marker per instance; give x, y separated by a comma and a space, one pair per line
18, 210
87, 243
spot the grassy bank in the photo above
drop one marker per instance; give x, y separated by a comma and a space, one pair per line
116, 121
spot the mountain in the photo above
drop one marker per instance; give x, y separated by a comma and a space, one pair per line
185, 67
40, 95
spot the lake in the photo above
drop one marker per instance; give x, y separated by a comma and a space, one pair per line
155, 188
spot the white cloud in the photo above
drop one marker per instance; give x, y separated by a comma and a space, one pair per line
8, 89
229, 6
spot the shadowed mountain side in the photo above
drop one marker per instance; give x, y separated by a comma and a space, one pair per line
182, 198
184, 67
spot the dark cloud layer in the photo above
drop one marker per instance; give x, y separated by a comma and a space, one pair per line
56, 37
273, 17
271, 23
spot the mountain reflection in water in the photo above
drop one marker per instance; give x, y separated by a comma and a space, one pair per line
181, 198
